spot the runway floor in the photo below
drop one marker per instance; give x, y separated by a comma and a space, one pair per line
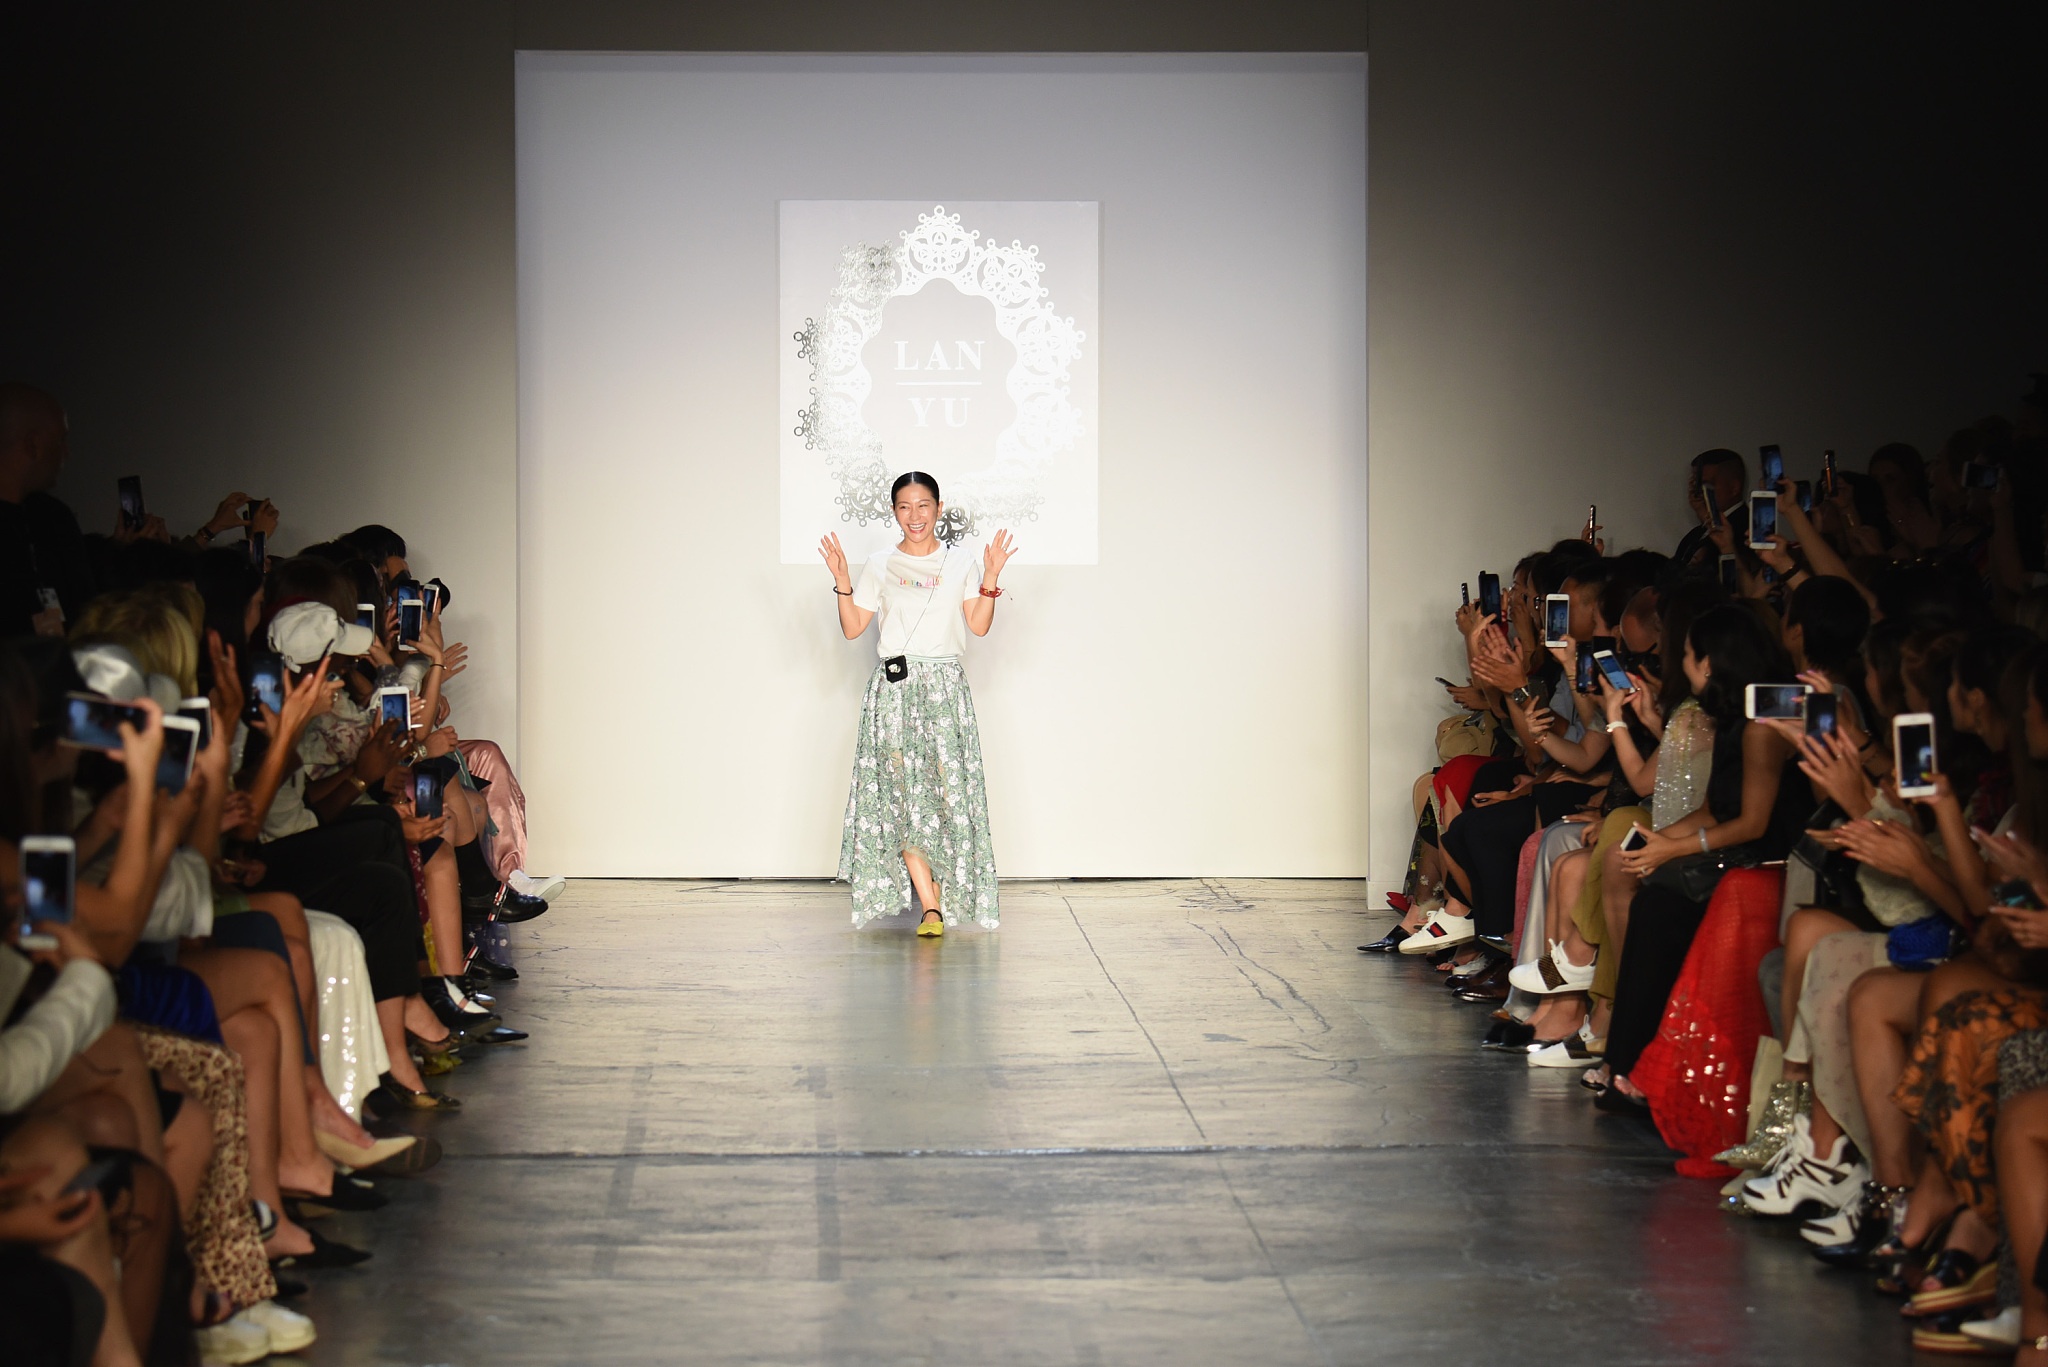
1174, 1122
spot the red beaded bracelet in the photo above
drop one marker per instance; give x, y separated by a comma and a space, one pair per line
988, 592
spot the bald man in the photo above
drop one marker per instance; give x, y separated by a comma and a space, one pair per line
45, 577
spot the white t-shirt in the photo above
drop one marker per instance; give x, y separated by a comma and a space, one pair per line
918, 598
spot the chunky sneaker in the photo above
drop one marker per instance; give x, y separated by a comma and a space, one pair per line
1553, 973
547, 889
1849, 1236
233, 1342
1573, 1051
1802, 1181
289, 1330
1440, 931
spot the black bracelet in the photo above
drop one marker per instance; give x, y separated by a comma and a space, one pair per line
846, 592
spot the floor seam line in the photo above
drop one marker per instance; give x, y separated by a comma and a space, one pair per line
1164, 1067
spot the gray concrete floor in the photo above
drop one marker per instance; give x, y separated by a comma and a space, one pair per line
1176, 1122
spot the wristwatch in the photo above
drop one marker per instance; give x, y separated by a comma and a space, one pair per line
1524, 695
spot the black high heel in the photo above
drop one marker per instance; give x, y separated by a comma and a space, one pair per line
1387, 943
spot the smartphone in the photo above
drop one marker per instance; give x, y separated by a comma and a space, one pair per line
1822, 710
1913, 758
395, 704
411, 619
181, 744
1802, 494
130, 487
1489, 594
2016, 892
1582, 681
1557, 618
1611, 669
430, 594
1731, 574
1465, 594
1713, 506
94, 1175
1979, 474
257, 555
266, 685
1592, 523
1634, 840
1827, 474
1763, 519
366, 615
49, 884
249, 514
93, 723
426, 792
1772, 462
1775, 702
201, 711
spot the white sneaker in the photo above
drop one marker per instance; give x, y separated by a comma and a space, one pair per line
2002, 1328
1799, 1175
233, 1342
1826, 1231
289, 1330
1573, 1051
547, 889
1552, 973
1440, 931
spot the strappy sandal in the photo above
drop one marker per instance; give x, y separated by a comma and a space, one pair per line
1964, 1281
1902, 1266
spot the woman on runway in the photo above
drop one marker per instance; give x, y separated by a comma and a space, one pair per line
917, 814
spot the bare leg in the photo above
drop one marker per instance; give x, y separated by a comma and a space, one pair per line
921, 881
1883, 1012
444, 910
114, 1070
394, 1014
298, 939
244, 980
188, 1148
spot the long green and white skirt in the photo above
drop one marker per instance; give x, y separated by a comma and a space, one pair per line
918, 785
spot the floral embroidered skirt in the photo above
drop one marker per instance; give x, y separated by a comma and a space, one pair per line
918, 785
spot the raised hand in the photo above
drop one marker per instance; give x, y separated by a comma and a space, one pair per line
835, 560
994, 556
228, 514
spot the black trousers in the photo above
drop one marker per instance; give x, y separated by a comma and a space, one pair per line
1661, 927
355, 867
1487, 843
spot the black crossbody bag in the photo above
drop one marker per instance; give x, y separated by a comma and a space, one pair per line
897, 667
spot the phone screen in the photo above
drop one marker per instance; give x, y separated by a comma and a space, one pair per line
201, 711
1915, 758
257, 556
1634, 840
1980, 475
1713, 506
1582, 682
426, 793
1779, 701
47, 882
1773, 465
266, 683
1802, 493
396, 707
366, 615
174, 766
1489, 594
1763, 518
1731, 578
249, 514
93, 723
1612, 670
410, 618
1557, 617
130, 487
1821, 712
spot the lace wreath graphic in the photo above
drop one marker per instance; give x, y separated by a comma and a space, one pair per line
1006, 490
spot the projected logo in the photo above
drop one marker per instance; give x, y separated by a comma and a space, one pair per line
940, 346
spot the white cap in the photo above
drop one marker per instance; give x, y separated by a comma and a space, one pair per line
303, 632
110, 671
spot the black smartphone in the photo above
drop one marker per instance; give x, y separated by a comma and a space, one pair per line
1980, 474
1763, 519
1465, 594
411, 619
1821, 712
1489, 594
1772, 462
257, 555
426, 792
2016, 892
181, 745
201, 711
1713, 505
1827, 474
1731, 577
130, 487
93, 723
1802, 494
266, 685
249, 514
1583, 680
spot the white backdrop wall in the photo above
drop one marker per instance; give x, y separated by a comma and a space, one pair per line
1188, 706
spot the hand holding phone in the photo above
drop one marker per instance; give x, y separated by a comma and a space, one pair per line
1763, 519
1772, 463
49, 884
1913, 759
1557, 619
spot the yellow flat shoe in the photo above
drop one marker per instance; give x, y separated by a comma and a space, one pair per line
931, 928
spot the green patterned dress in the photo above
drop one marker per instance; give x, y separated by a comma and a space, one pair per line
918, 785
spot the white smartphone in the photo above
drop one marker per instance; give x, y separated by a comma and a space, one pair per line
411, 621
201, 711
395, 704
1610, 668
49, 881
1913, 758
1557, 618
181, 745
1634, 840
1763, 519
1775, 702
366, 615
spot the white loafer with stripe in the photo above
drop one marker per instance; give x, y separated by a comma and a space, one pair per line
1440, 931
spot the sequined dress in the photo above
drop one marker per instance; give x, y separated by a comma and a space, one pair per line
918, 785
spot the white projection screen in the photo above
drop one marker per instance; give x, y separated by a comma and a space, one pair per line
1175, 684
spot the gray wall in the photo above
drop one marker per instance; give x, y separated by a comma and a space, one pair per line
272, 247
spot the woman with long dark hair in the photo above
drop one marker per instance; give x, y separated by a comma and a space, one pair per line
917, 813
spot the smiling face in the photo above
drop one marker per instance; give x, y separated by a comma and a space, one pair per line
917, 513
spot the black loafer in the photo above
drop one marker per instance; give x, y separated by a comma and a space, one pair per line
515, 907
500, 1034
1509, 1036
483, 970
326, 1253
1387, 943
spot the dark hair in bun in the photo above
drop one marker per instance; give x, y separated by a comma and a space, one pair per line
910, 477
